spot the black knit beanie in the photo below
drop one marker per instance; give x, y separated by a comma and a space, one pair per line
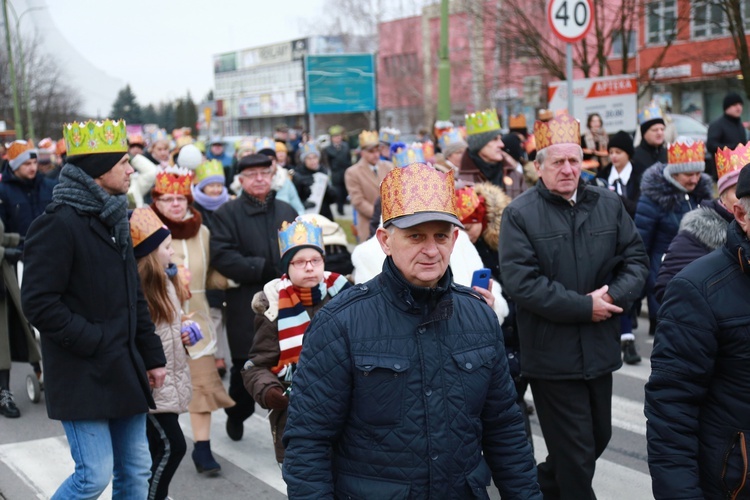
731, 99
650, 123
512, 146
622, 140
96, 165
478, 141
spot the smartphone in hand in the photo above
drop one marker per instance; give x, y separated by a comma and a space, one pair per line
481, 278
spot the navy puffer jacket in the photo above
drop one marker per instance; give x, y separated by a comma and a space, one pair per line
22, 201
697, 398
404, 393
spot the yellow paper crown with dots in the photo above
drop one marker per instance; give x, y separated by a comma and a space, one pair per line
417, 188
210, 168
92, 137
732, 160
298, 233
481, 122
685, 151
368, 138
561, 129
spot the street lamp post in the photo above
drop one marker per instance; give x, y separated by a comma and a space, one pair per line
444, 65
16, 111
22, 64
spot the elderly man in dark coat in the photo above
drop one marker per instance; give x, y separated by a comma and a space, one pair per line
244, 248
697, 402
572, 260
727, 131
402, 388
81, 290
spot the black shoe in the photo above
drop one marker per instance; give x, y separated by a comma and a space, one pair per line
629, 354
235, 429
203, 459
7, 405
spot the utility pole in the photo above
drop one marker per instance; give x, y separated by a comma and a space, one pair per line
444, 65
22, 64
18, 126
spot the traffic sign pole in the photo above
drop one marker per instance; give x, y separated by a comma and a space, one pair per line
569, 71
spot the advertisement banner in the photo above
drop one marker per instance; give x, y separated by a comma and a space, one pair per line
340, 83
224, 63
614, 98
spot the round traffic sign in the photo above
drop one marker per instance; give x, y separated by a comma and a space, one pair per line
570, 19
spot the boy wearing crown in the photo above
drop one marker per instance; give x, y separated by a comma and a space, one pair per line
572, 260
402, 387
697, 403
81, 290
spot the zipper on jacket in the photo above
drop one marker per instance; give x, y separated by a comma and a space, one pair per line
732, 494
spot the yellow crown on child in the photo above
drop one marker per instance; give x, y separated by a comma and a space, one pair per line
174, 180
299, 233
93, 137
481, 122
561, 129
731, 160
686, 151
417, 188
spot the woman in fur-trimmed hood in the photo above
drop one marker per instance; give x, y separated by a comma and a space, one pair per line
668, 192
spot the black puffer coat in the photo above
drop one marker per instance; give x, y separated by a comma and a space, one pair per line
697, 398
245, 249
646, 155
702, 231
404, 392
23, 201
551, 256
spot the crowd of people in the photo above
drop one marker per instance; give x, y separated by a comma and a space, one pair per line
385, 368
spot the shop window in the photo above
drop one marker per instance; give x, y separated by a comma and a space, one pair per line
661, 21
618, 40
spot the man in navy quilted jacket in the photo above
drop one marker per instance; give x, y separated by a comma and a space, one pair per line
402, 389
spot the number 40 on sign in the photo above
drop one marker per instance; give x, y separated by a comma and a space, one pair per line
570, 20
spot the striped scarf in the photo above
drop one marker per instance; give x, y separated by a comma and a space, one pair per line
294, 319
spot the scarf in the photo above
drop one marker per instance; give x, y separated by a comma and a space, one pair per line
210, 203
294, 318
186, 228
493, 172
78, 190
255, 202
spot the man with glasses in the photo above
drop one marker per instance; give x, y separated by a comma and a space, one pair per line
363, 181
244, 248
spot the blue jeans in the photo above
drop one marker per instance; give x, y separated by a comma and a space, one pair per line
101, 448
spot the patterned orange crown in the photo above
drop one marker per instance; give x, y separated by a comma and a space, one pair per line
517, 121
17, 148
143, 224
732, 160
686, 151
417, 188
174, 180
562, 129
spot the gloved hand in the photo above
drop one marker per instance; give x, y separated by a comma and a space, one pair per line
191, 332
275, 399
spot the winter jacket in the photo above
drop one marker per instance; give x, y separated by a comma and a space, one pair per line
702, 231
474, 170
245, 249
337, 159
551, 256
660, 211
264, 355
647, 155
633, 188
404, 392
303, 181
177, 391
364, 188
697, 402
725, 131
98, 340
23, 201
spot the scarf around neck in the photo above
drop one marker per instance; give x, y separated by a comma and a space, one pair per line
210, 203
78, 190
294, 318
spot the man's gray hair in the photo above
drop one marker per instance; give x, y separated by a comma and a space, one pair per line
541, 155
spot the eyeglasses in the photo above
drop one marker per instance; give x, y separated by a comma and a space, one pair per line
301, 264
260, 172
172, 199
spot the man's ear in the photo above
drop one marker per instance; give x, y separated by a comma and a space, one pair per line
384, 238
740, 215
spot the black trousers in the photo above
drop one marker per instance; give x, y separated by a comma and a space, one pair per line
576, 420
167, 445
245, 404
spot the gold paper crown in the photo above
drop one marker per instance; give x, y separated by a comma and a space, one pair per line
483, 121
174, 180
369, 138
686, 151
562, 129
143, 223
18, 147
95, 137
732, 160
417, 188
517, 121
210, 168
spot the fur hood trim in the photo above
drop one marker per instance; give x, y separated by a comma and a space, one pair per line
668, 197
707, 225
496, 200
186, 228
266, 302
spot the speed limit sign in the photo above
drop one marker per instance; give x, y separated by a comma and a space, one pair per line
570, 19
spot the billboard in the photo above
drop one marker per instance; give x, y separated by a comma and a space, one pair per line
614, 98
224, 63
343, 83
